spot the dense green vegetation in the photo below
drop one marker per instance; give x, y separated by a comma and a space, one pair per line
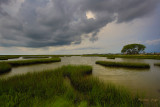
33, 61
136, 56
28, 57
133, 49
123, 64
4, 67
6, 57
68, 86
127, 56
110, 57
157, 64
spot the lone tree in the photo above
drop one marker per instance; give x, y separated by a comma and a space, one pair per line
133, 49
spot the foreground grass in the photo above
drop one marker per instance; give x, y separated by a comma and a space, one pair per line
4, 67
50, 88
123, 64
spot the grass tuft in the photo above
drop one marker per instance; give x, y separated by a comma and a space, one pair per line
4, 68
28, 57
33, 61
123, 64
157, 64
128, 56
6, 57
7, 65
110, 57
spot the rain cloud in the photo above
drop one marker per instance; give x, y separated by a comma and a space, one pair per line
41, 23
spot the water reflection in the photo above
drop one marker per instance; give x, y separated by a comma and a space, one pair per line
142, 80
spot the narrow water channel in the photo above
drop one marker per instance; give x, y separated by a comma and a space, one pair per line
145, 81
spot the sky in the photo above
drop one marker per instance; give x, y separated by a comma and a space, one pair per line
77, 26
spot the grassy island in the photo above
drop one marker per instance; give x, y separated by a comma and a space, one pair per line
110, 57
28, 57
33, 61
157, 57
6, 57
123, 64
136, 56
157, 64
63, 87
6, 66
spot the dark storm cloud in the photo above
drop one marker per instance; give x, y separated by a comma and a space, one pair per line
40, 23
4, 1
2, 12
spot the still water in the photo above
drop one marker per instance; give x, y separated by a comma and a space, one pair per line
145, 81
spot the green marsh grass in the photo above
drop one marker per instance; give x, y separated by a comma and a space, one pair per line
4, 67
129, 56
50, 88
157, 64
33, 61
137, 56
123, 64
110, 57
28, 57
6, 57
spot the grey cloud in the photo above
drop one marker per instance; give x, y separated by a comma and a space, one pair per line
86, 48
4, 1
2, 12
136, 9
41, 23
